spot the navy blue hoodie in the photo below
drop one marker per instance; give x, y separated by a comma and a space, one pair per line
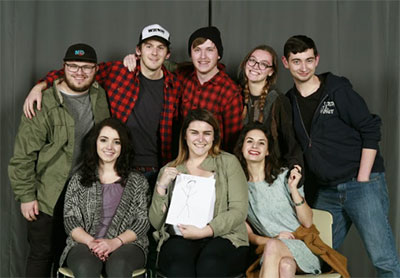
341, 127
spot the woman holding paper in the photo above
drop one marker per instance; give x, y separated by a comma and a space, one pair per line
276, 206
106, 206
219, 248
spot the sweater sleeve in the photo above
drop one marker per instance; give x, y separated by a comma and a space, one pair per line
353, 110
237, 192
73, 217
140, 223
289, 147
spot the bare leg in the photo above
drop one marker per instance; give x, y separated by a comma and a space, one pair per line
274, 251
287, 267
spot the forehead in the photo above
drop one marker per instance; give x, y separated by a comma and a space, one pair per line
309, 53
108, 132
154, 42
200, 125
256, 134
207, 43
260, 55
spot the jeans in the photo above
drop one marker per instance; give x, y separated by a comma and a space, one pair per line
366, 204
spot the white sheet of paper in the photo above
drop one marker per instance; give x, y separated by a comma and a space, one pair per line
192, 201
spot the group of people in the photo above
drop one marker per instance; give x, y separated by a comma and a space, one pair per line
74, 165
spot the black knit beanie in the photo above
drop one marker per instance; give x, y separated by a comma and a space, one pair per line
212, 33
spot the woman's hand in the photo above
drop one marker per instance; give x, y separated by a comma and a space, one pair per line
192, 232
105, 247
285, 235
167, 177
294, 178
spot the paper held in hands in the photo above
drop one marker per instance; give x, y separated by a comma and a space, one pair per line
192, 201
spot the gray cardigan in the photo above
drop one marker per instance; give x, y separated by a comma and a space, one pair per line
83, 208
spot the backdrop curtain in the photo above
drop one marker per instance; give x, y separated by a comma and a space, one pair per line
356, 39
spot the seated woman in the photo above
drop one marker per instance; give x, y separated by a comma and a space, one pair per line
105, 210
258, 73
276, 206
220, 248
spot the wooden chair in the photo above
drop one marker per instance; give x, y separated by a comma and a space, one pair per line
323, 221
66, 272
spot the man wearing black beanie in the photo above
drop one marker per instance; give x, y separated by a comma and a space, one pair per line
208, 86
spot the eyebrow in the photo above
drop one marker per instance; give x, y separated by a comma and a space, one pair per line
249, 137
260, 60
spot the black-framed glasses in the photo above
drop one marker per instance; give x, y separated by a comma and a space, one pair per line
75, 68
261, 65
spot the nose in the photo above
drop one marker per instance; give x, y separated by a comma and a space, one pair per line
203, 54
303, 66
109, 145
79, 69
154, 51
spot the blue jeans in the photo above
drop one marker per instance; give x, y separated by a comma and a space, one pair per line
365, 204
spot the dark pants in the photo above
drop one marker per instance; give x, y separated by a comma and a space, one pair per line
121, 263
46, 237
209, 257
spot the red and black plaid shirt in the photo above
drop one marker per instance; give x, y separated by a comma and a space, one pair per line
122, 87
221, 96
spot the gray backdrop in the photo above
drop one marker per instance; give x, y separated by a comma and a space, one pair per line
356, 39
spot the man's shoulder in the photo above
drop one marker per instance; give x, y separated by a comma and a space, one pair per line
49, 98
334, 83
224, 79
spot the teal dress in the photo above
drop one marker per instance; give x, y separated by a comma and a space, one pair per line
271, 211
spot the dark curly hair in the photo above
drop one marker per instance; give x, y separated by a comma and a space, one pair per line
273, 166
123, 165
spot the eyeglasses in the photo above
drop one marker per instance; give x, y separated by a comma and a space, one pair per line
261, 65
75, 68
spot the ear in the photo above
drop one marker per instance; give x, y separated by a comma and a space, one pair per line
285, 62
316, 60
138, 52
219, 57
167, 57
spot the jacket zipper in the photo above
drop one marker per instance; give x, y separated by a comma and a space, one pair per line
302, 123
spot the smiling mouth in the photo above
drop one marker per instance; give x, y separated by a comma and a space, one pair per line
254, 152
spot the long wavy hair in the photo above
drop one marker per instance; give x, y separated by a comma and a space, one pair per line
123, 166
270, 81
197, 115
273, 166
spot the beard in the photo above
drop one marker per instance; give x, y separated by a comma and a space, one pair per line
81, 88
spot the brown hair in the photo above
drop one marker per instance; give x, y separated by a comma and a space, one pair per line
198, 41
272, 162
197, 115
270, 81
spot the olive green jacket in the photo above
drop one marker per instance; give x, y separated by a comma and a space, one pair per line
44, 148
231, 204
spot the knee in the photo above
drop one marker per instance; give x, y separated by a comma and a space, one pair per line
272, 247
287, 267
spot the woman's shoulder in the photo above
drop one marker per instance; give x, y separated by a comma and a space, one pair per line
226, 156
136, 177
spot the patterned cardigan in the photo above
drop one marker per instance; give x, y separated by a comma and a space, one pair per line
83, 208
